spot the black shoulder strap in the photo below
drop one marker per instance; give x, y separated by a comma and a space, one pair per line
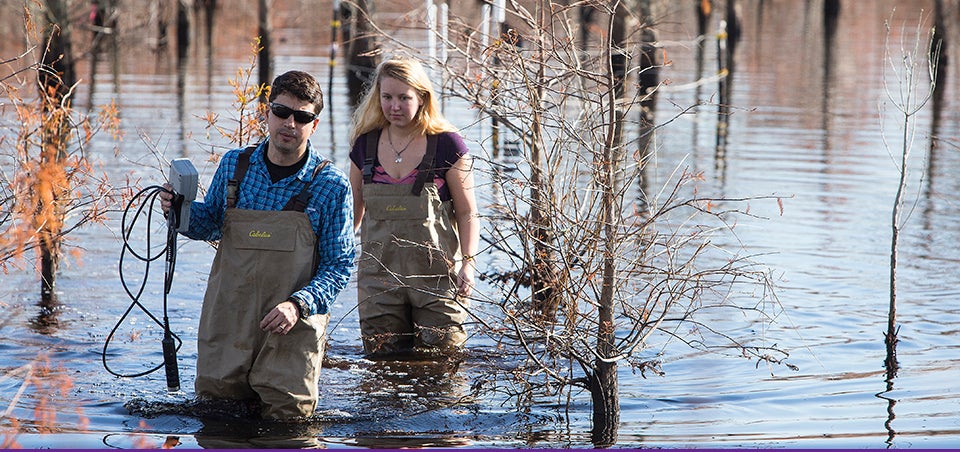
233, 185
299, 202
370, 157
426, 169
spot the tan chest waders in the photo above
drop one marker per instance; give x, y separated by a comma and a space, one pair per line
263, 257
408, 269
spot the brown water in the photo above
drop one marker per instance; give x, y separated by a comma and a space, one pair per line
806, 125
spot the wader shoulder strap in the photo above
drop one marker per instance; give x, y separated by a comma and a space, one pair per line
426, 168
233, 185
370, 159
299, 202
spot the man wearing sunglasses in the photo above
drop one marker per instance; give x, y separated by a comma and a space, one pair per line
284, 220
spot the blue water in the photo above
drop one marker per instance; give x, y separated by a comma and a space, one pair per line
806, 127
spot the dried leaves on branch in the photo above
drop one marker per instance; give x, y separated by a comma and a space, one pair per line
47, 185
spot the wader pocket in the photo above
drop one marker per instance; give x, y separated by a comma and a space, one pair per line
395, 208
268, 237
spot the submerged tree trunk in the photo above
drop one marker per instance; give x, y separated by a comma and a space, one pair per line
605, 395
604, 386
55, 81
542, 274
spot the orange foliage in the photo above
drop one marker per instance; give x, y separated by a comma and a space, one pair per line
249, 126
50, 179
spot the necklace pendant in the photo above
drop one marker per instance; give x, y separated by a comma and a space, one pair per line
398, 160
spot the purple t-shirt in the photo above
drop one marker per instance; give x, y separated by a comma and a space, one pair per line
450, 148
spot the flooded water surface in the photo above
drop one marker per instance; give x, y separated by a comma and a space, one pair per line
810, 122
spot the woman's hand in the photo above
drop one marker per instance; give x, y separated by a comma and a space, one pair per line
465, 279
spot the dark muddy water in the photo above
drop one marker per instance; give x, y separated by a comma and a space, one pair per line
809, 117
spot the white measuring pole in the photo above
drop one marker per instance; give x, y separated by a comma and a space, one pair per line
500, 12
444, 33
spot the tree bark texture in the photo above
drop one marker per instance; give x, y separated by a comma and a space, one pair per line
359, 42
605, 393
56, 78
265, 56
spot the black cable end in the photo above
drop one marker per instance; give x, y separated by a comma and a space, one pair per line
170, 363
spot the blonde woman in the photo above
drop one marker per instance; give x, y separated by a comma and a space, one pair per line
415, 208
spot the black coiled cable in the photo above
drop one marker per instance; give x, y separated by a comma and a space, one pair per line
149, 196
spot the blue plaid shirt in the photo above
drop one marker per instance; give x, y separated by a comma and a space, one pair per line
330, 212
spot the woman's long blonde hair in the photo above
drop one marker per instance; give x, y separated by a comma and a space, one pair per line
429, 119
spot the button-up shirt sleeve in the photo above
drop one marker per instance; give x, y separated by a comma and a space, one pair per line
331, 213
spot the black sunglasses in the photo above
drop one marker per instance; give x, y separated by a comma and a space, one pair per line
284, 112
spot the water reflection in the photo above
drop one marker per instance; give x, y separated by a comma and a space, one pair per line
831, 15
411, 402
138, 441
47, 320
381, 440
939, 49
890, 375
413, 386
726, 46
227, 424
259, 435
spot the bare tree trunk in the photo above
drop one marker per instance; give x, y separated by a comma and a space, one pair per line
939, 47
909, 103
725, 48
56, 79
648, 78
359, 42
605, 395
209, 9
703, 16
183, 29
733, 21
618, 48
334, 35
542, 274
890, 338
604, 385
265, 57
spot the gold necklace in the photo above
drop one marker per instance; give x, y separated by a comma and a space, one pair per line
395, 151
